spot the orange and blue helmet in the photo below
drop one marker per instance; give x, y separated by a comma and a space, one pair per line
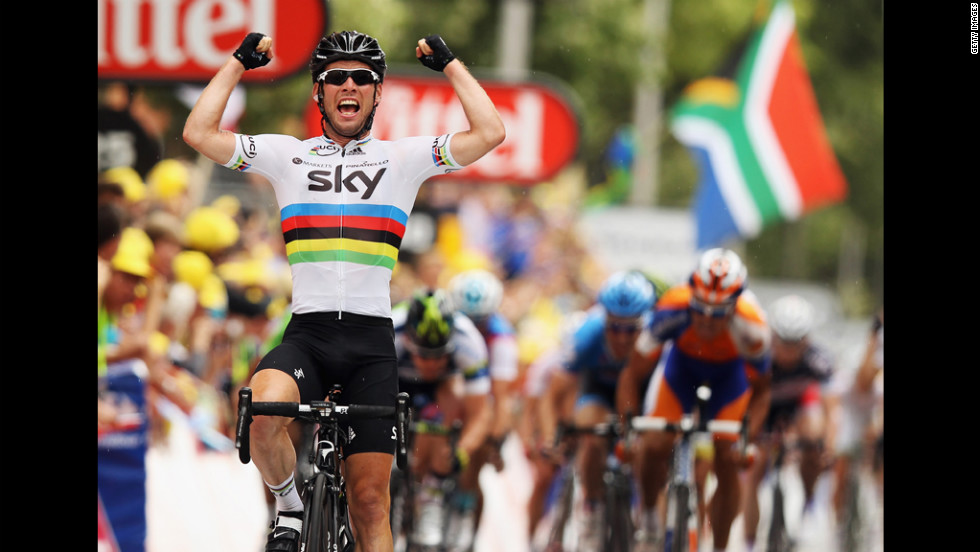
718, 279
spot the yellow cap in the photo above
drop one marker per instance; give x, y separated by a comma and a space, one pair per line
133, 254
209, 229
247, 272
192, 268
227, 204
168, 178
213, 294
131, 182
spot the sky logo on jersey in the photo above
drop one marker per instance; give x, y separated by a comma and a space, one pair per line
362, 234
240, 165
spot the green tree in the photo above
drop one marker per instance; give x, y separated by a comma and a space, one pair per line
594, 46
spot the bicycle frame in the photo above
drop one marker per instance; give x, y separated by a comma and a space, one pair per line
326, 523
617, 490
681, 528
778, 539
404, 488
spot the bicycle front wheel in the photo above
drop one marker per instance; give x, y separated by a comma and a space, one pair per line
401, 513
313, 537
679, 537
778, 539
619, 521
563, 511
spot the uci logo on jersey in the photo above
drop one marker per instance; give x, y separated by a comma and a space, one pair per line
336, 180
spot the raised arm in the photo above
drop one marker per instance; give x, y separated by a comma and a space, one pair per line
201, 130
486, 127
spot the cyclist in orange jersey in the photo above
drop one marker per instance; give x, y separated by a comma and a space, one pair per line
714, 332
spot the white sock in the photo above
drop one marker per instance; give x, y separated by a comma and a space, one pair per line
287, 496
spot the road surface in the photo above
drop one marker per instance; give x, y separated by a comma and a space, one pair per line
206, 501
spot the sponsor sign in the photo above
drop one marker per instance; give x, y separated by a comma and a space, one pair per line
189, 40
658, 240
542, 127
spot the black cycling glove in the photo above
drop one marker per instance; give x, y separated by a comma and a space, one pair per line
440, 57
248, 56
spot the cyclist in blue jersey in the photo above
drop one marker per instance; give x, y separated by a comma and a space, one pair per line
478, 294
442, 365
344, 199
596, 354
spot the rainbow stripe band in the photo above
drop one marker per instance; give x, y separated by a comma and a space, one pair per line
440, 156
362, 234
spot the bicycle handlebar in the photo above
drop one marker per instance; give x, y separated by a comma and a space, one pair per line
685, 425
317, 411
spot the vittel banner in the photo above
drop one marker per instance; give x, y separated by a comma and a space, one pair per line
542, 127
188, 40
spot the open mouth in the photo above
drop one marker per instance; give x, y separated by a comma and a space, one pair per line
348, 107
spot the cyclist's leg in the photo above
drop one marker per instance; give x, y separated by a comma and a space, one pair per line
652, 454
271, 447
590, 460
591, 454
810, 429
372, 379
704, 459
753, 478
431, 455
848, 441
367, 476
273, 454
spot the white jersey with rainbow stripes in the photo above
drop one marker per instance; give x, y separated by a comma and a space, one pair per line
343, 210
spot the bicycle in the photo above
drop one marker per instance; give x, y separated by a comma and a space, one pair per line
681, 528
859, 505
404, 494
778, 538
326, 524
617, 495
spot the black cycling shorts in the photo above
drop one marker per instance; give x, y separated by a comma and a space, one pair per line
319, 350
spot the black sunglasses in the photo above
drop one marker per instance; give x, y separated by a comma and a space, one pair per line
623, 327
337, 77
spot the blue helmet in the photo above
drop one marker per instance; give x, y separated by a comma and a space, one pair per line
476, 292
627, 294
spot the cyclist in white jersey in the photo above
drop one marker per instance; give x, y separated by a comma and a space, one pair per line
443, 366
344, 198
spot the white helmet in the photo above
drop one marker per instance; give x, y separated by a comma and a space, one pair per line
719, 277
476, 292
791, 318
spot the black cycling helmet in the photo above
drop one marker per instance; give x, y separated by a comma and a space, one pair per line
429, 323
348, 45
